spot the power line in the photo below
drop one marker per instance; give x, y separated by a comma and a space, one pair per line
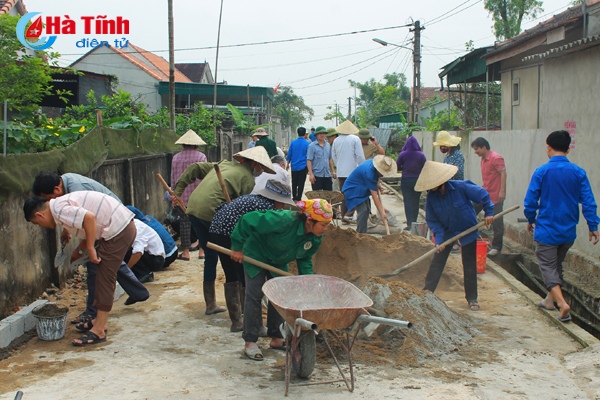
459, 11
440, 16
269, 41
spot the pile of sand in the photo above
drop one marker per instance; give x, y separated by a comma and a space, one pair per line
436, 330
357, 257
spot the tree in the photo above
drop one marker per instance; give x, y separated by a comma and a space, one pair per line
291, 108
24, 79
508, 15
377, 98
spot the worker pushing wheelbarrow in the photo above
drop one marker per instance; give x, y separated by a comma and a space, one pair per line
275, 238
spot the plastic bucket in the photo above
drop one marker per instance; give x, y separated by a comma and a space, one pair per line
419, 229
51, 328
482, 249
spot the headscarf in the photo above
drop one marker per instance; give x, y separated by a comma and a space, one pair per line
317, 209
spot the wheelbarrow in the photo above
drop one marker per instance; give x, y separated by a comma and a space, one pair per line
309, 303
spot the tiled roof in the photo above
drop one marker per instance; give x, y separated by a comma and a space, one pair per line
7, 5
160, 63
426, 93
193, 71
563, 18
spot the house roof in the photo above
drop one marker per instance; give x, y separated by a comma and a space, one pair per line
564, 48
569, 15
426, 93
239, 96
194, 71
153, 65
468, 68
7, 5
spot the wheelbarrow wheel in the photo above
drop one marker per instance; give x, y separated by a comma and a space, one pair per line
308, 356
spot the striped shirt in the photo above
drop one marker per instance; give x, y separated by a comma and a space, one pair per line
111, 216
180, 162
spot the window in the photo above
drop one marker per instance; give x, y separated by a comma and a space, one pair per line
516, 85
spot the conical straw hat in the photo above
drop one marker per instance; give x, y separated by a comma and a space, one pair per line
434, 174
258, 154
385, 165
346, 128
191, 138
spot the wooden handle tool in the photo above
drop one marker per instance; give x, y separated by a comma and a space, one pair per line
177, 198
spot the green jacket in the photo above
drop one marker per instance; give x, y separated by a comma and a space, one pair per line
275, 238
269, 145
238, 178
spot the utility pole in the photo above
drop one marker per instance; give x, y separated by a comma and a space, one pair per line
336, 115
416, 71
171, 67
350, 108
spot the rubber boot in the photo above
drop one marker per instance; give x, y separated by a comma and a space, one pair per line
232, 297
210, 298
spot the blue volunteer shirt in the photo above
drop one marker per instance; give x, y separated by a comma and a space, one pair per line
451, 213
312, 137
359, 184
168, 242
319, 156
297, 153
556, 189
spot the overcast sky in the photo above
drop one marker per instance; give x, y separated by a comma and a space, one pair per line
319, 69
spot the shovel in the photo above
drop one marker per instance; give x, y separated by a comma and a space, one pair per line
60, 257
446, 243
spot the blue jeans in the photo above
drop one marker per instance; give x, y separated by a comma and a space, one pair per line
211, 257
411, 200
130, 284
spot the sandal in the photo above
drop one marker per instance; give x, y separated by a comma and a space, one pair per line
89, 338
83, 317
283, 347
474, 305
181, 257
254, 354
86, 326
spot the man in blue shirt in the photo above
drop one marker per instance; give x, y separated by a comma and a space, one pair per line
362, 183
555, 190
449, 211
312, 137
320, 163
297, 160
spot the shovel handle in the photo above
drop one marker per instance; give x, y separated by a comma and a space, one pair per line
446, 243
249, 260
177, 198
222, 183
387, 226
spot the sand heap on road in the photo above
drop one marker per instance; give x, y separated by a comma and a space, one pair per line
357, 257
436, 330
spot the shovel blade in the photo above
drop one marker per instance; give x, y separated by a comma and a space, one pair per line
60, 259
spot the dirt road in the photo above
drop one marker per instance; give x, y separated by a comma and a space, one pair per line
166, 348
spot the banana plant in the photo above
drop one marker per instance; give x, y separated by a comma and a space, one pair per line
243, 125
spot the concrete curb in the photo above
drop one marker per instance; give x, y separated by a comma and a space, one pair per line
579, 334
16, 325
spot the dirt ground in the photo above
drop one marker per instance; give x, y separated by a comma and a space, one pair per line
167, 348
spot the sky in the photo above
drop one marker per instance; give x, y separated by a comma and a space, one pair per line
317, 69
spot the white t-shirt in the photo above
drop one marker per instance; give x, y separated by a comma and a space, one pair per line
147, 239
347, 154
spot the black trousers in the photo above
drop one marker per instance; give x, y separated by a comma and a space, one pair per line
298, 179
469, 261
411, 200
322, 183
146, 264
253, 309
497, 226
234, 271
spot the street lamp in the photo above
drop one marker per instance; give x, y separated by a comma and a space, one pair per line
384, 43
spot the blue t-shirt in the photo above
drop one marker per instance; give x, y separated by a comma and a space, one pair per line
319, 156
451, 213
312, 137
359, 184
556, 189
297, 153
168, 242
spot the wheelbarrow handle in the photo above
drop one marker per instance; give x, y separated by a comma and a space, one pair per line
249, 260
384, 321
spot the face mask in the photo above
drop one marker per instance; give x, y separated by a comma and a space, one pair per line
255, 174
444, 149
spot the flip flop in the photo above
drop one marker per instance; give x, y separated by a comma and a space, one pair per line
254, 354
565, 319
89, 338
83, 317
541, 305
180, 257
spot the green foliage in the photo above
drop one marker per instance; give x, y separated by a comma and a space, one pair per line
291, 108
243, 124
378, 98
399, 136
508, 15
24, 79
441, 122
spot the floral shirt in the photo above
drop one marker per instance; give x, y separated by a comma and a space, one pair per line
457, 159
228, 214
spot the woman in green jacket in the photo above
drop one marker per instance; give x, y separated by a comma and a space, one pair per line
275, 238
